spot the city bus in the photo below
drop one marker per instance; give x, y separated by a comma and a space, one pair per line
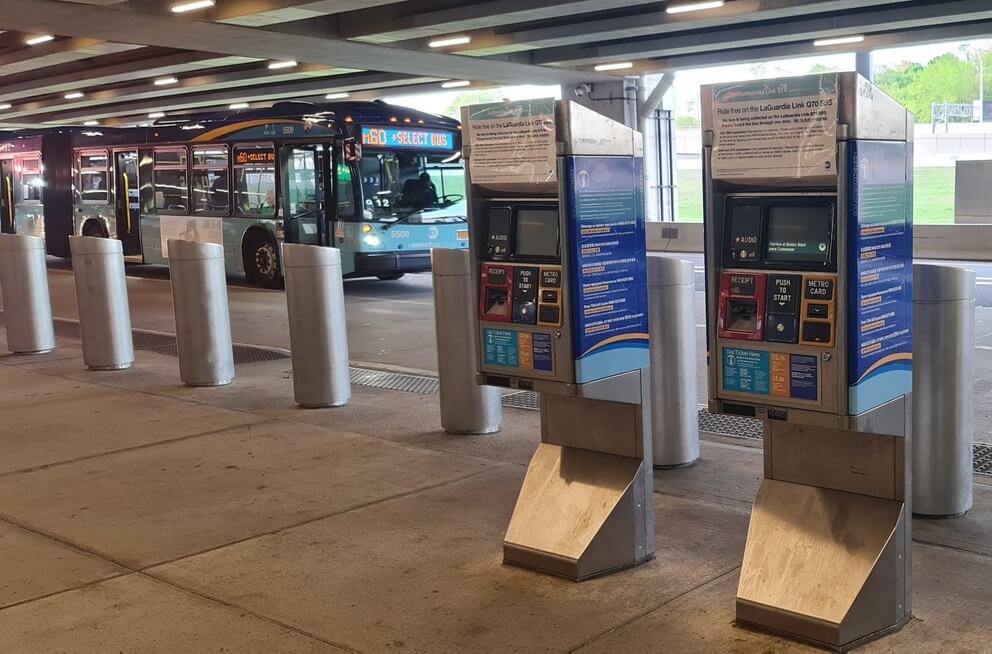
382, 183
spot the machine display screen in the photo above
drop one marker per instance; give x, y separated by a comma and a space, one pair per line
799, 234
536, 233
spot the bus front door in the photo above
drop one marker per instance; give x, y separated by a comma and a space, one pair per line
127, 202
7, 196
304, 193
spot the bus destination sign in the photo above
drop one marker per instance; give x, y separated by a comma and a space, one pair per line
404, 137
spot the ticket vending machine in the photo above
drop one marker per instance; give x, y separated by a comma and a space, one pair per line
558, 250
808, 221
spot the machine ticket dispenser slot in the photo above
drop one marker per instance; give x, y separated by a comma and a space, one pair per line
808, 204
557, 225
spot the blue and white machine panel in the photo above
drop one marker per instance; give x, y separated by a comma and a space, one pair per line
609, 296
880, 267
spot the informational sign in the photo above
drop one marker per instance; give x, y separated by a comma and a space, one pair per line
776, 374
606, 223
190, 228
513, 142
880, 244
779, 128
405, 138
523, 350
746, 371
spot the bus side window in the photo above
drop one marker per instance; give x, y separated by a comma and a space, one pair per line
211, 180
345, 191
255, 180
91, 185
31, 180
171, 180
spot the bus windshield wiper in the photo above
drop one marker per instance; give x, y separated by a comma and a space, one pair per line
399, 220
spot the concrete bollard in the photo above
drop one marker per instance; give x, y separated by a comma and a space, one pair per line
674, 398
466, 407
943, 389
203, 322
101, 299
318, 331
27, 305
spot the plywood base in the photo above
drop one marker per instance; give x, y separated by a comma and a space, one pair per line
581, 514
824, 566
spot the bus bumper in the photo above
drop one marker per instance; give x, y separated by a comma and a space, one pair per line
391, 263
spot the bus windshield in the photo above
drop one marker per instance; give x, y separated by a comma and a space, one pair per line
413, 187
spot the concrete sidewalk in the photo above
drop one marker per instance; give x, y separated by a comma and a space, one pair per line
139, 515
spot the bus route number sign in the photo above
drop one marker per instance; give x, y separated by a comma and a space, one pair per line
400, 137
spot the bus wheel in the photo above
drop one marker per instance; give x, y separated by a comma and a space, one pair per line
262, 262
389, 278
93, 228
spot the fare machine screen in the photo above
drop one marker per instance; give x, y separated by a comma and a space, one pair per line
778, 297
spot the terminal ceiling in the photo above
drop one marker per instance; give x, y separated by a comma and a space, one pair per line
107, 55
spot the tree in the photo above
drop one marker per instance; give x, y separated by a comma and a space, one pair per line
482, 96
946, 78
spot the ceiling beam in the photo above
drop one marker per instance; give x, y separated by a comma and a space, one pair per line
32, 58
146, 89
101, 73
139, 110
982, 29
418, 19
896, 17
260, 13
186, 34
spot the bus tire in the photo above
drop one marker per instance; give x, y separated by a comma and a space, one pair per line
390, 278
94, 228
261, 261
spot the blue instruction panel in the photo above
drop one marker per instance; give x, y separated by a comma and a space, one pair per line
501, 348
880, 265
543, 352
802, 377
746, 371
607, 247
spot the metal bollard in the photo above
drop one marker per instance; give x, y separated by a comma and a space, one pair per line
674, 398
466, 407
203, 322
101, 298
318, 331
26, 303
943, 389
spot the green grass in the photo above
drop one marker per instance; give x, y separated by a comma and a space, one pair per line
933, 196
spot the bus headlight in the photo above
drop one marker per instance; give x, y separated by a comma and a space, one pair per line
372, 240
367, 228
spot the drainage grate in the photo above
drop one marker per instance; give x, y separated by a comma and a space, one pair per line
249, 354
151, 340
983, 459
523, 400
394, 381
736, 426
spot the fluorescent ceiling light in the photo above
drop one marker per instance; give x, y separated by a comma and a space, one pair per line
74, 95
277, 65
192, 5
165, 81
454, 84
5, 106
336, 96
840, 40
693, 6
157, 114
238, 105
620, 65
38, 40
454, 40
91, 123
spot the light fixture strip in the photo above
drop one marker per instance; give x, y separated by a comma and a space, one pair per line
336, 96
166, 81
450, 41
686, 7
620, 65
454, 84
193, 5
39, 39
839, 40
278, 65
73, 95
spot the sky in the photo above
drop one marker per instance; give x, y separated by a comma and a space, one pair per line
687, 82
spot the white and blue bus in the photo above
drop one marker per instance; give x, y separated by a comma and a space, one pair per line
382, 183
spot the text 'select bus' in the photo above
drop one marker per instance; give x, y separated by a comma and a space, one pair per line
384, 184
